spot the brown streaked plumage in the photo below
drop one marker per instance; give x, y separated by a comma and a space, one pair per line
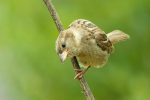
88, 43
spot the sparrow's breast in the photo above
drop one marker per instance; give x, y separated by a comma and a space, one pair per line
92, 55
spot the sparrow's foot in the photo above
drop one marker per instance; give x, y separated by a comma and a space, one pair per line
78, 70
80, 73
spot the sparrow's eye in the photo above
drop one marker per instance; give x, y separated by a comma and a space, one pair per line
63, 45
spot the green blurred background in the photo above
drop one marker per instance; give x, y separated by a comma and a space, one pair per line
31, 70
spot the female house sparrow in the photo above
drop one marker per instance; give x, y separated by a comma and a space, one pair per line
88, 43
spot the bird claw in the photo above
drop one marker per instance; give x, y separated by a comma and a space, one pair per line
79, 75
78, 70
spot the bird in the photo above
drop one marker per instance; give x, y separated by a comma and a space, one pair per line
89, 43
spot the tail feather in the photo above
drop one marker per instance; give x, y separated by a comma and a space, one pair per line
117, 36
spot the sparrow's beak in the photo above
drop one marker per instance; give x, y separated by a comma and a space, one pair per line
63, 55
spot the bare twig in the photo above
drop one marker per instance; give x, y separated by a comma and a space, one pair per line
84, 85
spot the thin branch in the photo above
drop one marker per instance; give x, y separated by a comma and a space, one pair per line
84, 85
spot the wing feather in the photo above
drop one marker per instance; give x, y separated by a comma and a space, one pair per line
95, 32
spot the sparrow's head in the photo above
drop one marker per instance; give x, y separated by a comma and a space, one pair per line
66, 45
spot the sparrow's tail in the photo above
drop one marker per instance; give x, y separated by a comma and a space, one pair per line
117, 36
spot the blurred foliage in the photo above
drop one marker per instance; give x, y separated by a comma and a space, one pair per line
31, 70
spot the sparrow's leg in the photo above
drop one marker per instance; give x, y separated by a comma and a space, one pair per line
80, 73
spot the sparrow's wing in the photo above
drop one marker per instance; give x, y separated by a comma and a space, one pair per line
95, 32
